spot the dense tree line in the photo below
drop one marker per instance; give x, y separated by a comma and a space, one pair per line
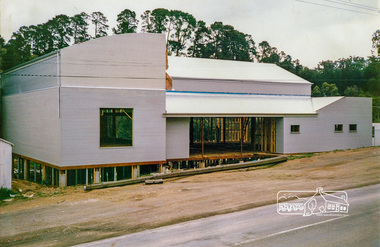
186, 36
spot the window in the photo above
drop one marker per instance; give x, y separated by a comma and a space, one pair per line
294, 129
116, 127
338, 127
353, 127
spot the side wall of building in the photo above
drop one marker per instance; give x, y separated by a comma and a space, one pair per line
31, 122
80, 111
318, 134
177, 138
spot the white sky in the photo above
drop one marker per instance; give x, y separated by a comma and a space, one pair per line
309, 31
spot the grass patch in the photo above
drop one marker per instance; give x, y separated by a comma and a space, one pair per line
6, 193
300, 156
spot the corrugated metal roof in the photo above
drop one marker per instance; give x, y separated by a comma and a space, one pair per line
194, 104
202, 68
320, 102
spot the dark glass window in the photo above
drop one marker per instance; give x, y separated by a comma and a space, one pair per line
338, 127
116, 127
353, 127
294, 129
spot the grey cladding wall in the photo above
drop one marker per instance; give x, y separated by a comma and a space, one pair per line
31, 121
177, 138
318, 133
81, 125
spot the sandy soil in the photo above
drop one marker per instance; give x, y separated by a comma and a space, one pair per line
61, 217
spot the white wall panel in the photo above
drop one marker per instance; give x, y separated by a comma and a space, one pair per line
177, 138
120, 61
31, 122
81, 125
318, 133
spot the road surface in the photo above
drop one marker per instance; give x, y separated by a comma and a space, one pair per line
263, 226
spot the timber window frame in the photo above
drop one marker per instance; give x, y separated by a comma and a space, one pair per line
116, 127
295, 129
353, 128
338, 128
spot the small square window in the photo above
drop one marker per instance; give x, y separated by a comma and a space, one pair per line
353, 127
338, 127
294, 129
116, 127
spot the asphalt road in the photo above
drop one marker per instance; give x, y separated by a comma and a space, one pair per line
263, 226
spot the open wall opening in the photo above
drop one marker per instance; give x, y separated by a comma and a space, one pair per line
232, 135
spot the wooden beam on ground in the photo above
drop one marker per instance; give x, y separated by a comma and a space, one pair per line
191, 172
154, 181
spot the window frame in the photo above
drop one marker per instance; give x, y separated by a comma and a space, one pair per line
337, 130
114, 142
354, 130
298, 129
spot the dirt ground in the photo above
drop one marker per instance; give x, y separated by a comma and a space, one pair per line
62, 217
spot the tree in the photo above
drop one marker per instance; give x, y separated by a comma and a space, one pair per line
182, 25
376, 41
146, 26
100, 23
3, 52
201, 42
43, 42
18, 49
372, 76
127, 22
159, 19
60, 32
352, 91
316, 92
79, 26
329, 89
268, 54
228, 43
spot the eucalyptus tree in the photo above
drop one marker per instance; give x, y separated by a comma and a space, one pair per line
146, 25
201, 46
159, 19
127, 22
60, 31
43, 42
179, 31
100, 24
80, 26
228, 43
178, 27
267, 54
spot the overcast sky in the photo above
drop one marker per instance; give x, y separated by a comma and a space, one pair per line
308, 30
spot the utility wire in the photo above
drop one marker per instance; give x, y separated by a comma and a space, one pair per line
334, 7
366, 8
358, 5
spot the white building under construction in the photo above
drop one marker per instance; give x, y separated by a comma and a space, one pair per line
116, 107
